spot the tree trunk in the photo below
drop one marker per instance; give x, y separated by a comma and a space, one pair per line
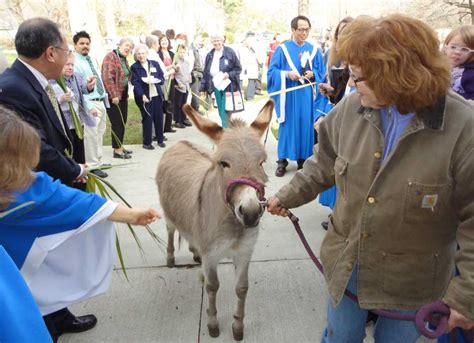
303, 7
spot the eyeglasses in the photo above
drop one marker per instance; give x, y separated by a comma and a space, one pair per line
355, 78
460, 49
303, 30
65, 49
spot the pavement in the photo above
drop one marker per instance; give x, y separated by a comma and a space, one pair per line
287, 297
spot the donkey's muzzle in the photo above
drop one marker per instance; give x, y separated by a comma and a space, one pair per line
251, 216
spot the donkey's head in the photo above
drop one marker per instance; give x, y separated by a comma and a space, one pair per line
239, 155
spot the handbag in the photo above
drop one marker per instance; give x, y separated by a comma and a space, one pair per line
234, 101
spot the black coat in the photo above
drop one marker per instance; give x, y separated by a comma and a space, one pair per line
21, 91
229, 63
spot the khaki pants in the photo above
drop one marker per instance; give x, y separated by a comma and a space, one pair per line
94, 137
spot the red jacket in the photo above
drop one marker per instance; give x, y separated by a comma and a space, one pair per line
113, 75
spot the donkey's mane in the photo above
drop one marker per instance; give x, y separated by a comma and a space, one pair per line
198, 149
236, 123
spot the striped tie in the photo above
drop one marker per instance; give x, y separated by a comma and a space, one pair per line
54, 102
98, 83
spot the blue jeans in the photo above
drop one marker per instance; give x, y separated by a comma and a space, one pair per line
346, 323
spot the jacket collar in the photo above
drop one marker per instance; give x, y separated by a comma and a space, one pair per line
431, 116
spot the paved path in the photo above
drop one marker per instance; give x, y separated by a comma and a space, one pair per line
287, 297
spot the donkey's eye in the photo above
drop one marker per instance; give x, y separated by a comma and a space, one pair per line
224, 164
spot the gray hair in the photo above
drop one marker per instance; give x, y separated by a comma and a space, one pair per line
216, 36
150, 40
137, 49
124, 40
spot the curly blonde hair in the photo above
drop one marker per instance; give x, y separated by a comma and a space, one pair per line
400, 59
19, 154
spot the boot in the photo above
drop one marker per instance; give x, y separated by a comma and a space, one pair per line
281, 167
300, 163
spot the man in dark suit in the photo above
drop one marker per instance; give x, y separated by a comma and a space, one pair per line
42, 52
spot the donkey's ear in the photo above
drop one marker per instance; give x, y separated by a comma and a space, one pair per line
263, 119
206, 126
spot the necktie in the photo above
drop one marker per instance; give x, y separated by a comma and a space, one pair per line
54, 102
98, 83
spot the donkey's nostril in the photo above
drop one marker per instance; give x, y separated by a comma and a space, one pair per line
241, 210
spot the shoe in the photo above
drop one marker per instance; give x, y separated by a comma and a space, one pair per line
80, 324
187, 123
129, 152
154, 138
171, 130
281, 168
161, 145
300, 163
123, 155
179, 125
325, 225
99, 173
148, 147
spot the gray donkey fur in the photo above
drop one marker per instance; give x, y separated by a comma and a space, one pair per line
192, 182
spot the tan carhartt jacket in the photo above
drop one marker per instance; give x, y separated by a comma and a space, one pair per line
399, 220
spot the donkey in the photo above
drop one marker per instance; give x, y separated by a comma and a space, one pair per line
217, 221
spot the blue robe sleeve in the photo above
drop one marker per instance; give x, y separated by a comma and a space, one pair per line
274, 76
45, 208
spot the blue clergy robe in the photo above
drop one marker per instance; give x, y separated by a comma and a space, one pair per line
20, 320
296, 111
61, 241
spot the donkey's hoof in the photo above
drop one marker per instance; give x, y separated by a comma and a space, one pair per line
213, 331
238, 334
197, 259
170, 262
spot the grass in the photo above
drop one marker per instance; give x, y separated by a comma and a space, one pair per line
133, 128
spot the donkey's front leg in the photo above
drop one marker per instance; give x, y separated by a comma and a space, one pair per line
241, 264
170, 249
212, 286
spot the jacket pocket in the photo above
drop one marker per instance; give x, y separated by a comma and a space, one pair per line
332, 249
409, 276
340, 175
426, 203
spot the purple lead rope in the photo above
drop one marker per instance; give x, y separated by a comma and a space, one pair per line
435, 314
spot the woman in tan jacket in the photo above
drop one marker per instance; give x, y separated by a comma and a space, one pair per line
401, 152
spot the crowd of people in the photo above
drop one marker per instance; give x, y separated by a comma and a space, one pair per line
382, 122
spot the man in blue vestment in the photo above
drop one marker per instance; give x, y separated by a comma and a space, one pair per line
295, 63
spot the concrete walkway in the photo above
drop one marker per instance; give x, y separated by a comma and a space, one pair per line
287, 297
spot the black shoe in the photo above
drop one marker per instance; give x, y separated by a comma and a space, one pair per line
99, 173
128, 152
154, 138
123, 155
148, 147
300, 163
171, 130
281, 169
80, 324
161, 145
187, 123
179, 125
325, 225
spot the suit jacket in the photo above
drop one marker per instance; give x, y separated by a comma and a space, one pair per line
21, 90
141, 88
